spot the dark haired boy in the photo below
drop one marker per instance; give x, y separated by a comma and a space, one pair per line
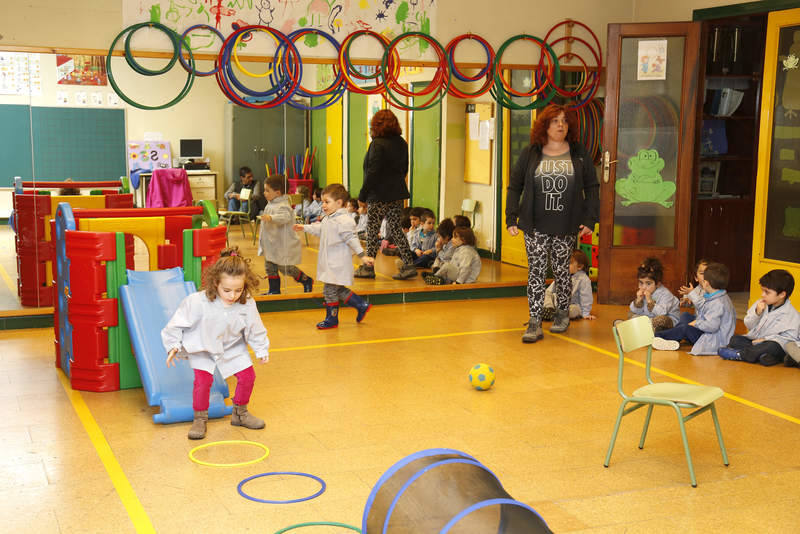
462, 220
277, 241
234, 193
772, 321
715, 322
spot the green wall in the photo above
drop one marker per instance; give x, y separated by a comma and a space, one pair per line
357, 141
425, 155
319, 140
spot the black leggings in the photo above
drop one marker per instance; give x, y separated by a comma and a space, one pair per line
393, 211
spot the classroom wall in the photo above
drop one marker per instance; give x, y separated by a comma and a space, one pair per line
672, 11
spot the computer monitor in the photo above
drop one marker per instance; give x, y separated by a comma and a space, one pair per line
191, 148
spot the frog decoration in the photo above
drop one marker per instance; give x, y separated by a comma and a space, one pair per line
644, 183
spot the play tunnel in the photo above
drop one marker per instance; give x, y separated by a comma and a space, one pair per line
441, 491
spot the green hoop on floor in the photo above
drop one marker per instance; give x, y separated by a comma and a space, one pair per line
237, 441
317, 524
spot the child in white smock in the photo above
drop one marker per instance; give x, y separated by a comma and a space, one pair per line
212, 328
337, 244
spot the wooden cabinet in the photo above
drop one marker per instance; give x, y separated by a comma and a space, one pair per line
726, 162
204, 186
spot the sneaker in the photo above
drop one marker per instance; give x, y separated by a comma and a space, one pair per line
665, 344
727, 353
788, 361
406, 272
364, 271
432, 279
768, 360
793, 353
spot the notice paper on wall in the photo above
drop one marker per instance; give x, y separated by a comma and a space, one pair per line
472, 124
483, 140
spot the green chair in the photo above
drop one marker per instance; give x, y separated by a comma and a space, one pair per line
239, 217
635, 334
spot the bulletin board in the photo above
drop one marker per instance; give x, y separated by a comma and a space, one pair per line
78, 143
479, 143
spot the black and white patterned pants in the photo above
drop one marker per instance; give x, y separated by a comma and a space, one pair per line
334, 292
289, 270
557, 249
393, 211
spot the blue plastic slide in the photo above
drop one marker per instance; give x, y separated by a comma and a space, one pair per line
149, 300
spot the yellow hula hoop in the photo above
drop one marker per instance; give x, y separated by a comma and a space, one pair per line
239, 464
235, 56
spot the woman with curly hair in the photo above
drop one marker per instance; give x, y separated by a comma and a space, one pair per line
552, 195
384, 189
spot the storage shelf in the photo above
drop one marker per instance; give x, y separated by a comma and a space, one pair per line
732, 117
753, 76
726, 157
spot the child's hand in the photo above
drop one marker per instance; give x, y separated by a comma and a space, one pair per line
760, 305
298, 227
685, 290
693, 323
590, 317
640, 294
171, 357
429, 251
266, 218
368, 261
759, 340
418, 252
265, 359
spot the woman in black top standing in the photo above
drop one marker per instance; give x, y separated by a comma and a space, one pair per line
552, 195
384, 189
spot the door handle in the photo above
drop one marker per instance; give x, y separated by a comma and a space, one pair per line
607, 161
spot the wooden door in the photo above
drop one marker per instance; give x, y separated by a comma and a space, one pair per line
425, 155
646, 174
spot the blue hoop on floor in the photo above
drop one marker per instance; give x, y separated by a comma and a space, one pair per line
317, 524
288, 501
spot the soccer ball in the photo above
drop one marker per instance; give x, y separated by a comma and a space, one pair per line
481, 376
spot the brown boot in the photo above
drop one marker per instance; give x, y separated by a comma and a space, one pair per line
198, 430
241, 417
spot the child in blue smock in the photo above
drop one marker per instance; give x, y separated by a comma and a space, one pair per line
653, 300
714, 323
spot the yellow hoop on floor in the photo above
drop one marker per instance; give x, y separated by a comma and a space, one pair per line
239, 464
235, 56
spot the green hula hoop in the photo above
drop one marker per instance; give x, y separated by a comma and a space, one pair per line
174, 37
317, 524
178, 44
500, 94
237, 464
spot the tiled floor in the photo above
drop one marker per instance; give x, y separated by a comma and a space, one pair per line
348, 403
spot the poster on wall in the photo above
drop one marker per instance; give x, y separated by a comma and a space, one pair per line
77, 69
652, 60
149, 155
335, 17
20, 74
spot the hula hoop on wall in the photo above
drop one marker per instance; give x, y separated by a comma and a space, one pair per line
185, 38
178, 43
484, 72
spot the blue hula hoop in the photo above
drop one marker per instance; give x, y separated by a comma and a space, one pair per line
288, 501
184, 36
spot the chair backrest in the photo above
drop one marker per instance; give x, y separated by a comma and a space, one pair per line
295, 199
631, 335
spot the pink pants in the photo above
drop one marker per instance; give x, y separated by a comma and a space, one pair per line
202, 388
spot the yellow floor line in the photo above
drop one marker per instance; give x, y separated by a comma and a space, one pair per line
673, 376
393, 340
141, 522
9, 282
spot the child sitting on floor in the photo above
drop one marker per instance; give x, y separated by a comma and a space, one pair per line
772, 321
653, 300
423, 244
277, 241
714, 323
313, 212
580, 304
465, 265
444, 245
693, 295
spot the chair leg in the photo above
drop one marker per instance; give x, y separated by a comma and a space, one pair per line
719, 435
646, 426
241, 226
614, 434
686, 446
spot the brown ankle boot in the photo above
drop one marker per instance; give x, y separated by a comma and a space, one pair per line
241, 417
198, 430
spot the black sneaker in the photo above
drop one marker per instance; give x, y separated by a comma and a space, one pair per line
432, 279
768, 360
788, 361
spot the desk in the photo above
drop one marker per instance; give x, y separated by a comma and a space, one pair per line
205, 185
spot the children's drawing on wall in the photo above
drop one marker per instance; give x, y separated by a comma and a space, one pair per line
77, 69
149, 155
652, 60
644, 183
336, 17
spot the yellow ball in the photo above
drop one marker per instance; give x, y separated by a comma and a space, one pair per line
481, 376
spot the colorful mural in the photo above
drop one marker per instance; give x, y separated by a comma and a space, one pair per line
337, 17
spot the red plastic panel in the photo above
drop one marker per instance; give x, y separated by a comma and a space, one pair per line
173, 230
168, 256
136, 212
53, 185
115, 200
